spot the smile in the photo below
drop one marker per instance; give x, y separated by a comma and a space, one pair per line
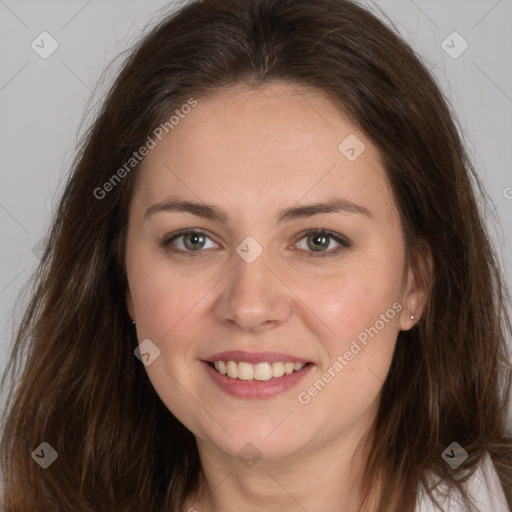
260, 378
261, 371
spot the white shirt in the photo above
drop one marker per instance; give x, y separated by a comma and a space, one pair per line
484, 486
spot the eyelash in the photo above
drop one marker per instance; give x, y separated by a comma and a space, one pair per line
343, 243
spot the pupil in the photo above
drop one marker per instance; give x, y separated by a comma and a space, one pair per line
194, 239
319, 237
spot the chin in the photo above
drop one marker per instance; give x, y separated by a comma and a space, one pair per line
252, 443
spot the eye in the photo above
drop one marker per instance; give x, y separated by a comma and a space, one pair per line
192, 241
318, 240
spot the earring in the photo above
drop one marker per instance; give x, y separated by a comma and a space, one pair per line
412, 318
133, 321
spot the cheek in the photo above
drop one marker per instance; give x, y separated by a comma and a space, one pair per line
164, 298
168, 306
353, 298
346, 387
361, 307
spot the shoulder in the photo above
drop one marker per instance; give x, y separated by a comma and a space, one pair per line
484, 487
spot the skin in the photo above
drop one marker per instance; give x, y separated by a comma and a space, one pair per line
253, 153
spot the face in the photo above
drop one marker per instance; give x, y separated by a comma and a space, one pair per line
267, 274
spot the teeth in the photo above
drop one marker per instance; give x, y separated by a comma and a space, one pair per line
232, 369
288, 368
222, 367
245, 371
277, 369
260, 371
263, 371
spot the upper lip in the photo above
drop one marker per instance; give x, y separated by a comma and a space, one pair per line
255, 357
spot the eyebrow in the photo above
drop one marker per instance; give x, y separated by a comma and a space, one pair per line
212, 212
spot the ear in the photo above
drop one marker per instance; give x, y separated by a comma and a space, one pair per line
129, 304
418, 284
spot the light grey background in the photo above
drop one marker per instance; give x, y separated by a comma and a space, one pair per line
42, 102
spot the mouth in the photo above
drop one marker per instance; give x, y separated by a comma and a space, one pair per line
253, 375
263, 371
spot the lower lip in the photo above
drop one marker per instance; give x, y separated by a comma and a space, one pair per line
256, 388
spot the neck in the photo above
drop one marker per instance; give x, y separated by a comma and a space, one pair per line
325, 477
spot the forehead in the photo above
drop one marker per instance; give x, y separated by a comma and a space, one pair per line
276, 144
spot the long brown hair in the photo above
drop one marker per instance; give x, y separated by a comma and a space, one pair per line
74, 381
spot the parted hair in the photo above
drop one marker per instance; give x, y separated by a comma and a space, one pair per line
72, 379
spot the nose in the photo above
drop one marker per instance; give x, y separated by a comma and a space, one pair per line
253, 296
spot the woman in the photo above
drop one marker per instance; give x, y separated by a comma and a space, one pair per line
268, 285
